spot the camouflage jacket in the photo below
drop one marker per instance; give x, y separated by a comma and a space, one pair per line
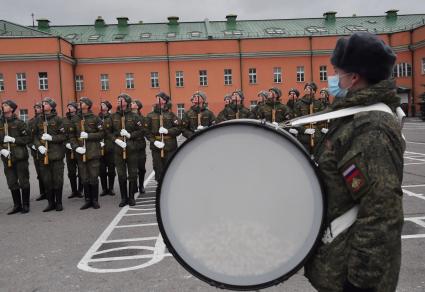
282, 112
230, 112
361, 163
18, 130
107, 125
31, 124
93, 126
133, 125
190, 120
68, 122
291, 103
141, 141
55, 128
170, 121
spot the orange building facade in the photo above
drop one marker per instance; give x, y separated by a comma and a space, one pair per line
43, 64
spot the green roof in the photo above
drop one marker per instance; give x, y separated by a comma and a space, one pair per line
8, 29
243, 29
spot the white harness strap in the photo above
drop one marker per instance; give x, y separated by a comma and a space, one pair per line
314, 118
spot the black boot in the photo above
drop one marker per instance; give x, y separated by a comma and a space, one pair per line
132, 187
51, 199
87, 197
123, 190
95, 195
111, 179
104, 183
42, 192
17, 206
25, 200
141, 187
75, 193
58, 196
80, 185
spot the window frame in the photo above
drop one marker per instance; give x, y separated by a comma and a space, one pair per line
129, 81
179, 79
154, 80
300, 74
323, 73
21, 81
203, 78
277, 75
43, 81
104, 81
79, 83
252, 76
180, 110
228, 77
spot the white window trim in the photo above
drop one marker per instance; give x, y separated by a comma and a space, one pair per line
129, 81
277, 75
21, 78
154, 79
2, 87
203, 78
323, 73
179, 79
252, 74
180, 110
79, 83
43, 82
301, 72
104, 81
228, 77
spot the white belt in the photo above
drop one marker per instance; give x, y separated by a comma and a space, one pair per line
340, 224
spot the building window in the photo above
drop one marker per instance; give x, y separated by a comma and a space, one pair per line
277, 75
1, 82
323, 73
104, 81
402, 70
79, 82
203, 78
129, 80
228, 77
154, 79
21, 81
423, 66
42, 81
180, 110
179, 79
252, 73
253, 104
23, 114
300, 73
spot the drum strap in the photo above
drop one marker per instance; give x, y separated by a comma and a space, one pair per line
319, 117
340, 224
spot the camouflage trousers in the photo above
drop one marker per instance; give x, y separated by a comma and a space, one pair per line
89, 171
52, 174
127, 169
17, 175
159, 163
72, 167
107, 165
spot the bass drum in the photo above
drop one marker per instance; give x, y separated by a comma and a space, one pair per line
241, 205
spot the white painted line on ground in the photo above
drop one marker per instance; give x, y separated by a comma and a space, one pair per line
413, 236
413, 186
419, 143
416, 220
131, 239
409, 152
141, 209
136, 225
412, 194
140, 214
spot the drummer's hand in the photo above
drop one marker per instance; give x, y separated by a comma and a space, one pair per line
293, 131
309, 131
324, 130
348, 287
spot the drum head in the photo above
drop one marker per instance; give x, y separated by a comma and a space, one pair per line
240, 205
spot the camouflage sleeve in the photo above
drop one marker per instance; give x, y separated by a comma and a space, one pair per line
176, 129
372, 171
99, 134
138, 131
185, 126
60, 137
212, 118
72, 135
148, 126
221, 116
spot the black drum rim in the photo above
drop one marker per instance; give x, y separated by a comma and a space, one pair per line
218, 284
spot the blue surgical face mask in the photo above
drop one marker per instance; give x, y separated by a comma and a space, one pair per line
333, 87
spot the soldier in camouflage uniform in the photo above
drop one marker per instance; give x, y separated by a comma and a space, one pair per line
310, 134
198, 117
107, 163
50, 145
293, 96
163, 139
324, 97
273, 111
126, 137
14, 154
86, 144
71, 162
236, 109
136, 107
262, 96
361, 163
34, 151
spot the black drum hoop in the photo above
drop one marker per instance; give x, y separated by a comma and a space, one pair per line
218, 284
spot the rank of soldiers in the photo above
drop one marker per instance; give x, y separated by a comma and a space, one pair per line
110, 143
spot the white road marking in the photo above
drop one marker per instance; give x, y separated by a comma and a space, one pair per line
419, 221
413, 186
412, 194
419, 143
157, 251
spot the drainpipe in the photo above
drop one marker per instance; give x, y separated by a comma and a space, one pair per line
310, 39
60, 72
169, 72
74, 72
412, 60
240, 64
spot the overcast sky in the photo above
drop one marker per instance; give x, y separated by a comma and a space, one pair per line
86, 11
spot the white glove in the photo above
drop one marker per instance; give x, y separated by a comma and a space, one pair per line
80, 150
46, 137
309, 131
84, 135
276, 124
120, 143
68, 145
33, 147
124, 133
163, 130
293, 131
159, 144
200, 127
102, 144
5, 152
8, 139
324, 130
42, 149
